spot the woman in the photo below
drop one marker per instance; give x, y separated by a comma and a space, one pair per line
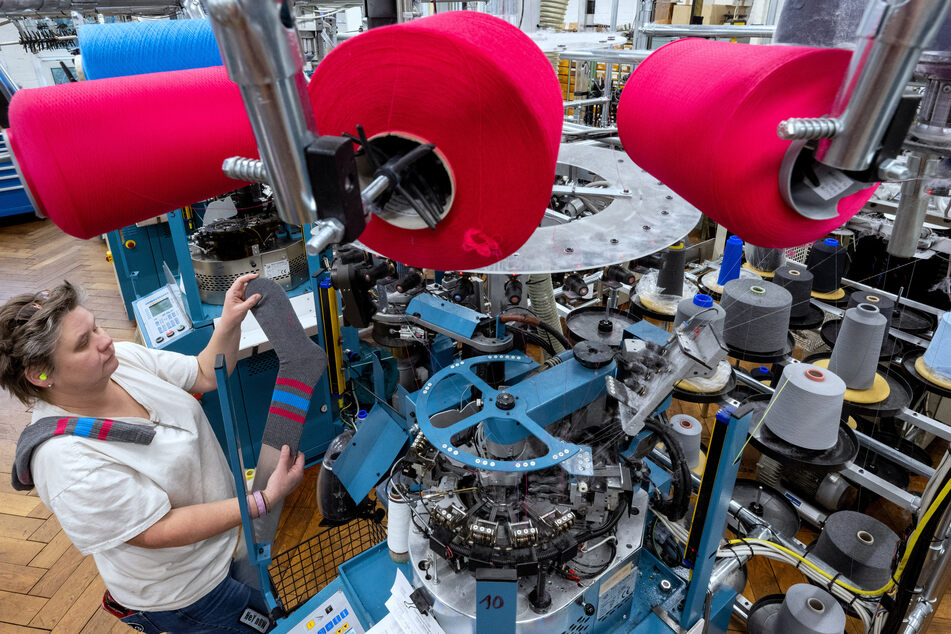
161, 518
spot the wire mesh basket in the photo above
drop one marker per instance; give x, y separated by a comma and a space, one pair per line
301, 572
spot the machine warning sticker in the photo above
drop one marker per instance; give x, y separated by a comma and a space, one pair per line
616, 589
831, 183
277, 269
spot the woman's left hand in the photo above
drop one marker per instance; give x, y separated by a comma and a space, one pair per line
236, 306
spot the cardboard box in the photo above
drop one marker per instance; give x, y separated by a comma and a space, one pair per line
681, 14
717, 13
662, 11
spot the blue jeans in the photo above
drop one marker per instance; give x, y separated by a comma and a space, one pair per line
217, 611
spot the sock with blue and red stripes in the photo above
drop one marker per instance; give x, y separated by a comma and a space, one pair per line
302, 363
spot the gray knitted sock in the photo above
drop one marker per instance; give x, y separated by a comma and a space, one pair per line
302, 363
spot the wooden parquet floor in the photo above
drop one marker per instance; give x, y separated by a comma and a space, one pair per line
45, 584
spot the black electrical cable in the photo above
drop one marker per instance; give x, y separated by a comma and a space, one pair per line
538, 323
594, 572
536, 339
675, 505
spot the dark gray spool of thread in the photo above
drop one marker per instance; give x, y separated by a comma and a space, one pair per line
809, 610
798, 281
757, 315
828, 262
702, 313
884, 304
763, 258
856, 351
670, 278
859, 546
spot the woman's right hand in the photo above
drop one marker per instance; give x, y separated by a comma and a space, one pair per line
287, 476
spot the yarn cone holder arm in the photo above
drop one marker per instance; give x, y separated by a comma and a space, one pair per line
300, 166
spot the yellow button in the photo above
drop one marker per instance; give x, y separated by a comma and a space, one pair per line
310, 625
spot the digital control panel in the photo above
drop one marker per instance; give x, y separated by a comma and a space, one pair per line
333, 616
161, 318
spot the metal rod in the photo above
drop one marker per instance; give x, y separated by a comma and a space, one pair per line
926, 423
618, 56
569, 190
912, 208
260, 48
895, 456
881, 487
34, 8
585, 102
703, 30
934, 579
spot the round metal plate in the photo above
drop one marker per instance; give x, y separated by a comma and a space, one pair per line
651, 218
844, 451
769, 504
763, 357
911, 321
810, 320
763, 614
593, 354
585, 324
908, 362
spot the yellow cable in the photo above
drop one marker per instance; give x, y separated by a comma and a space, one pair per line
898, 571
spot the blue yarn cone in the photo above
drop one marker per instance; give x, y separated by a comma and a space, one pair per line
122, 49
732, 260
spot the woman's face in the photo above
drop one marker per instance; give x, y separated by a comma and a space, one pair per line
84, 355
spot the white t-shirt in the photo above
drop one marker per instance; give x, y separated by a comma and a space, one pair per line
105, 493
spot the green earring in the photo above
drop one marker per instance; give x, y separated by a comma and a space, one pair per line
43, 377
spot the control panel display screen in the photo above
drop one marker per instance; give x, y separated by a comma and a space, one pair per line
160, 306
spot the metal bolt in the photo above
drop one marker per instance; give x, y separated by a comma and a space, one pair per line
245, 169
569, 250
669, 197
614, 240
666, 586
664, 212
323, 409
326, 232
646, 227
809, 128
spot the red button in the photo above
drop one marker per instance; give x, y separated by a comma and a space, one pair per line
170, 333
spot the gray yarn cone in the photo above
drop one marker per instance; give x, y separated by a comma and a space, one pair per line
764, 258
798, 281
859, 545
809, 610
757, 315
806, 388
856, 352
885, 305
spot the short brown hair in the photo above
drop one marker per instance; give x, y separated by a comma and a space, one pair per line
31, 343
